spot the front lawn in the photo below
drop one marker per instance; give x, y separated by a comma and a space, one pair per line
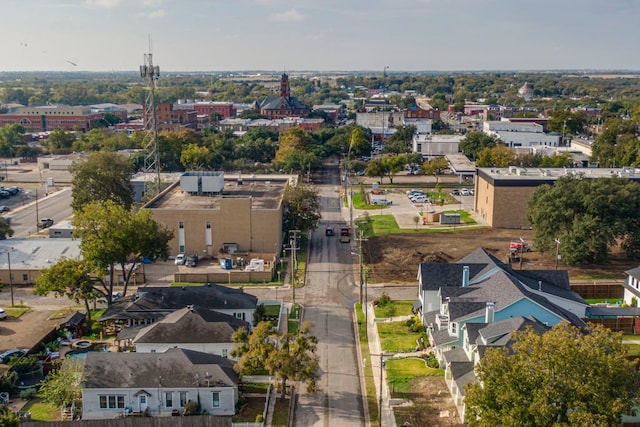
396, 337
402, 372
394, 308
250, 408
16, 311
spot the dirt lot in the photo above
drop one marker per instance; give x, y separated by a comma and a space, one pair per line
396, 258
432, 405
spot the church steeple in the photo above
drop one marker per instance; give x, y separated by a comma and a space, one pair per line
285, 91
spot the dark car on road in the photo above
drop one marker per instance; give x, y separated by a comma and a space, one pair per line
328, 231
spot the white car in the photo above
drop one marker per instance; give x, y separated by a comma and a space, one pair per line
181, 259
3, 314
464, 192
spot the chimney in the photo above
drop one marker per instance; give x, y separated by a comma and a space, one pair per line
465, 276
488, 316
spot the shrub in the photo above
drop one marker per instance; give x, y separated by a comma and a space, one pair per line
432, 362
25, 364
191, 408
382, 300
259, 418
28, 393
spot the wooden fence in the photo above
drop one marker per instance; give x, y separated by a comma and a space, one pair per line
598, 290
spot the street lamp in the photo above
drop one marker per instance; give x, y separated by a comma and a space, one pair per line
557, 251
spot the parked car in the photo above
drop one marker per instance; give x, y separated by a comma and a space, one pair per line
455, 192
464, 192
5, 208
4, 194
192, 260
45, 222
16, 352
180, 259
3, 314
472, 192
328, 231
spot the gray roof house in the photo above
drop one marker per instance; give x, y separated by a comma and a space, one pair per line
477, 338
192, 328
152, 303
157, 384
478, 301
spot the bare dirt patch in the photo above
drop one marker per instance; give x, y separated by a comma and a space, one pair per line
432, 405
395, 258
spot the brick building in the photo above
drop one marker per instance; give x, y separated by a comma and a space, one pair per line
51, 117
172, 119
502, 194
285, 105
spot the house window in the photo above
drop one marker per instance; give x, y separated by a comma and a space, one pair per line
25, 277
183, 398
168, 399
224, 353
216, 399
111, 401
454, 328
181, 224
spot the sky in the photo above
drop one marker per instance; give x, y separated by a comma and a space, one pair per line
320, 35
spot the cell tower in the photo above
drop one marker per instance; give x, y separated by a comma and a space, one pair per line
150, 74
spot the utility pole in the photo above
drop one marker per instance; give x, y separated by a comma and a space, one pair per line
293, 242
360, 259
557, 251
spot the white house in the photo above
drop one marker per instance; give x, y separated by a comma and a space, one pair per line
191, 328
430, 145
157, 384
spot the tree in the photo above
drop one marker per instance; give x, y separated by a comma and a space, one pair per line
476, 141
588, 215
435, 167
59, 141
5, 229
8, 418
102, 177
499, 156
63, 385
564, 377
115, 237
287, 356
195, 157
301, 208
70, 278
393, 164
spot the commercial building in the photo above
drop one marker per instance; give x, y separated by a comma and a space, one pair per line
502, 194
213, 214
51, 117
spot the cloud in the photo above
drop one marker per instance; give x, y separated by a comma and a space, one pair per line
160, 13
102, 4
151, 2
290, 15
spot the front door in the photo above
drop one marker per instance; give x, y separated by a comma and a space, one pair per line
142, 402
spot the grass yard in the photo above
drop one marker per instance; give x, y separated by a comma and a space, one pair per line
16, 311
603, 300
383, 225
396, 337
372, 402
41, 411
402, 372
280, 413
253, 406
395, 308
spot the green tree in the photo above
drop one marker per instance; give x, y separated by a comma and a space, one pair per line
589, 216
11, 137
564, 377
102, 177
499, 156
474, 142
73, 279
195, 157
287, 356
59, 142
64, 384
116, 240
376, 168
301, 208
8, 418
5, 229
393, 165
435, 167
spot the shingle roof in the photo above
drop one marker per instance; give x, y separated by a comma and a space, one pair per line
174, 368
282, 103
192, 325
634, 272
150, 302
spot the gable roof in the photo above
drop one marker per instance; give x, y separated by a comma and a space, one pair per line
634, 272
282, 103
192, 325
174, 368
151, 302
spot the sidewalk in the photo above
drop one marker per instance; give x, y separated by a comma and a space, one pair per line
380, 375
